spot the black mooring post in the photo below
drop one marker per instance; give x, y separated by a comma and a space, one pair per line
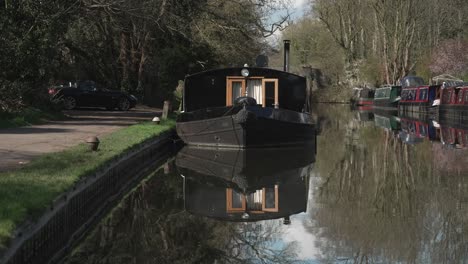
286, 54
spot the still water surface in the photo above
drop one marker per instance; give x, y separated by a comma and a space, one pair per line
373, 189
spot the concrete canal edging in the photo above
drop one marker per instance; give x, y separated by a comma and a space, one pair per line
72, 213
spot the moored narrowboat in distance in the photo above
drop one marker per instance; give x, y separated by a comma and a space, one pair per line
363, 97
387, 98
454, 104
418, 100
414, 131
245, 107
454, 137
387, 122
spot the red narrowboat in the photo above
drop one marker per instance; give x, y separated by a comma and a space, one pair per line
454, 104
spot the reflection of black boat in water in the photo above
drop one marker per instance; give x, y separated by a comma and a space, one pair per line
245, 185
246, 107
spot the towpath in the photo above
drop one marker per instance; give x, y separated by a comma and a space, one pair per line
18, 146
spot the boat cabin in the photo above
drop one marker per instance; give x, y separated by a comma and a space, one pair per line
230, 204
455, 95
389, 123
454, 137
270, 88
387, 96
422, 94
419, 129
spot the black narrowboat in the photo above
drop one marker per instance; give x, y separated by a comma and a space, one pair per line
245, 184
246, 107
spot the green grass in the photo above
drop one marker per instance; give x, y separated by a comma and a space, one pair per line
27, 117
26, 193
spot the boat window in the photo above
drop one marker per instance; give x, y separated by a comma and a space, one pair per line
270, 199
254, 201
234, 201
404, 95
466, 96
254, 89
411, 95
235, 88
423, 94
460, 96
265, 91
422, 130
446, 96
460, 136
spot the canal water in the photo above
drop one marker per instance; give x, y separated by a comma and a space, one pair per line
373, 189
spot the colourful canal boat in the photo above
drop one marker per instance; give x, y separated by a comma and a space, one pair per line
454, 104
387, 98
415, 131
418, 100
387, 122
456, 137
363, 97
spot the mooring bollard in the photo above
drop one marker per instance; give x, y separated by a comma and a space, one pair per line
156, 120
93, 143
166, 110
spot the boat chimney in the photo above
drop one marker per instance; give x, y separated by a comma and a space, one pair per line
286, 54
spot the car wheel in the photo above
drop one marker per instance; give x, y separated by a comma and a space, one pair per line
124, 104
69, 102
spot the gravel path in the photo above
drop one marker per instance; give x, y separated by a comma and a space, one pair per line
18, 146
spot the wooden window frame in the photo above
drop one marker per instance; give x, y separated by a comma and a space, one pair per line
274, 209
243, 80
270, 80
229, 81
229, 207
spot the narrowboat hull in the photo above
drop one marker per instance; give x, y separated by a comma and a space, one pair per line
365, 102
250, 126
417, 110
454, 113
385, 104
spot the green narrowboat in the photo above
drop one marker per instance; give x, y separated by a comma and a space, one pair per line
387, 122
387, 97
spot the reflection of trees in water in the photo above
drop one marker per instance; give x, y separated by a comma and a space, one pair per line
150, 226
259, 243
381, 201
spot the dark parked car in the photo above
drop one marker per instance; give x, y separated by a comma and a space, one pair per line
87, 94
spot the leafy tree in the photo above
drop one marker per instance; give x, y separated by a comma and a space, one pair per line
450, 57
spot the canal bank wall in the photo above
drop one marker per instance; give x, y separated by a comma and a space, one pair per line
72, 214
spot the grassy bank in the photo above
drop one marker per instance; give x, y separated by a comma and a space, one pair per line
27, 117
25, 193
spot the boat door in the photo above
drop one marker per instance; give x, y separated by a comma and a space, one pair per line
270, 93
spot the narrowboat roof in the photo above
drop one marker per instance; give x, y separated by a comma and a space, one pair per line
388, 87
